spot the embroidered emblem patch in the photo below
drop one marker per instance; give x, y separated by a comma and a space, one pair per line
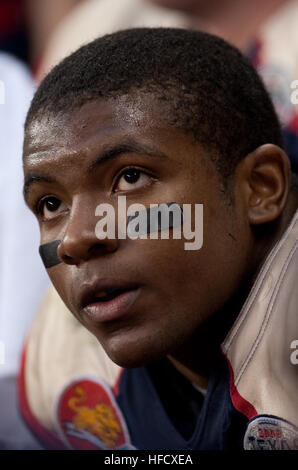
270, 433
89, 417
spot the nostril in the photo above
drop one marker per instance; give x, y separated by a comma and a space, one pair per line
75, 250
67, 258
63, 256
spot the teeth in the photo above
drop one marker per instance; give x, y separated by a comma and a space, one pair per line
102, 294
105, 293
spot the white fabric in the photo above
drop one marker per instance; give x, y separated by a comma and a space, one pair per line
22, 277
259, 343
52, 365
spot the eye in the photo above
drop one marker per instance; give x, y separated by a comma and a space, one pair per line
132, 178
49, 207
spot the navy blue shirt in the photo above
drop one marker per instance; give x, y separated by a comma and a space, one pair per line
188, 420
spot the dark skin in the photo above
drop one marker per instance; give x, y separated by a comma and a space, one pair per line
187, 300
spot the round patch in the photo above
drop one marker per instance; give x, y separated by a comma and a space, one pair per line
89, 417
270, 433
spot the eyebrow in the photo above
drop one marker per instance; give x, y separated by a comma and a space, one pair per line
34, 178
128, 146
108, 153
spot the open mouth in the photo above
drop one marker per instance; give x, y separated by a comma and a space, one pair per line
103, 302
108, 304
108, 294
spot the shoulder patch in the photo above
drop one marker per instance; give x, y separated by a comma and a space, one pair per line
89, 417
270, 433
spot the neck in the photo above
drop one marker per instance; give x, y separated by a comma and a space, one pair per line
236, 21
197, 358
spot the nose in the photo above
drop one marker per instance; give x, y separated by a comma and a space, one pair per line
80, 243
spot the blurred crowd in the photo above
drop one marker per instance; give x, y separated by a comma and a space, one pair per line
34, 36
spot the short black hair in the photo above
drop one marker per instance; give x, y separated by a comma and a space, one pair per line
209, 87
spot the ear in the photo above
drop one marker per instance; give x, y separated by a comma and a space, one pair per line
264, 176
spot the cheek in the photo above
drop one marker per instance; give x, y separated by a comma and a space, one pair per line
200, 280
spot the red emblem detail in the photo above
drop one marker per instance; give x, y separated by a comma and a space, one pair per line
89, 417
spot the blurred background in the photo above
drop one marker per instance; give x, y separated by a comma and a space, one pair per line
34, 36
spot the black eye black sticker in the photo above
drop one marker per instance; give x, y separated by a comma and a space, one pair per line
48, 253
156, 219
153, 219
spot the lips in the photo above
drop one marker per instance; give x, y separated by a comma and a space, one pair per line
109, 294
108, 300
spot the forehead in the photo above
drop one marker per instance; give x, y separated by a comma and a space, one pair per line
62, 138
71, 149
67, 145
71, 127
74, 129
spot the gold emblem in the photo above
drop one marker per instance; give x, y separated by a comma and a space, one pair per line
100, 421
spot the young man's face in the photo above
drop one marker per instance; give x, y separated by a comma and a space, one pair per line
169, 291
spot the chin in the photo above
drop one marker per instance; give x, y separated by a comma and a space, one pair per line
134, 352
